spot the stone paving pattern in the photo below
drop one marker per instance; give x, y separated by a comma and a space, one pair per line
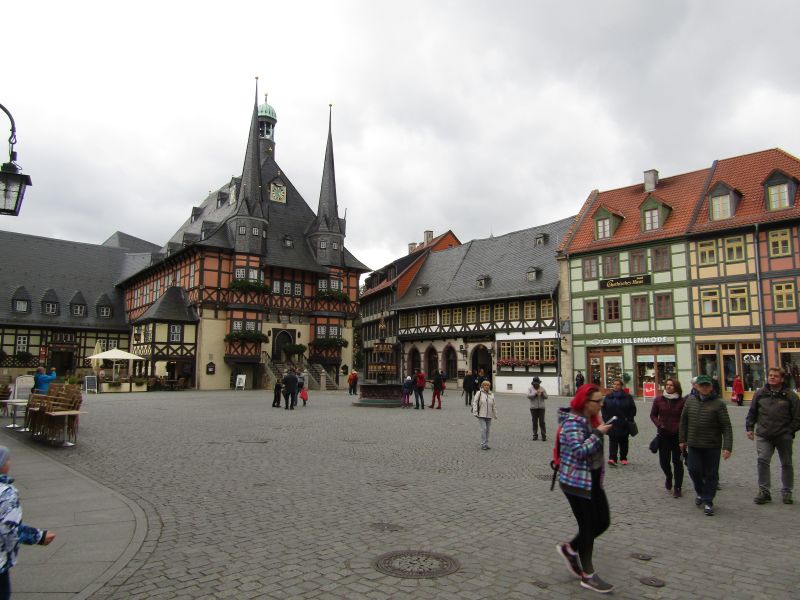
247, 501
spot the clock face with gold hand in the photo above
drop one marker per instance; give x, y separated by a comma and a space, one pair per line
277, 193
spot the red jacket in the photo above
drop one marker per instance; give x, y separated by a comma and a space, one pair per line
420, 381
666, 414
738, 388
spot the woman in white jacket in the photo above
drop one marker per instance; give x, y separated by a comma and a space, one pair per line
483, 409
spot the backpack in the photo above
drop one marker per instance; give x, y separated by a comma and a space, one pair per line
555, 464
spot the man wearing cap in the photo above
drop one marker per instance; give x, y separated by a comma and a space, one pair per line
537, 396
773, 419
13, 531
705, 429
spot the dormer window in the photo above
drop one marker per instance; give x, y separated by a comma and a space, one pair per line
778, 196
50, 308
323, 244
541, 239
78, 310
651, 219
779, 191
721, 207
603, 228
533, 274
242, 230
421, 290
288, 242
21, 306
482, 282
256, 231
104, 312
335, 245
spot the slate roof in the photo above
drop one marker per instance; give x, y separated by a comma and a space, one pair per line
60, 269
119, 239
172, 305
450, 275
687, 195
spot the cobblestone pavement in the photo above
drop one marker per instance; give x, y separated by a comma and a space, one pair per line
247, 501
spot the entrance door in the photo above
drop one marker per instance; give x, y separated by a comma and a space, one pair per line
414, 363
482, 361
279, 341
62, 361
431, 362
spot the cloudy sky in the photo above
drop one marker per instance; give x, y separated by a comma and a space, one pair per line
477, 116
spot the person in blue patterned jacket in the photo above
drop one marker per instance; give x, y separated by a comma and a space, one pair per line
13, 531
580, 476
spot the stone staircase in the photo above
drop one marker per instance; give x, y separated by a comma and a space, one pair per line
323, 375
277, 369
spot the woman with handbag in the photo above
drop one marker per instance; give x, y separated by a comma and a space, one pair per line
619, 404
666, 416
483, 409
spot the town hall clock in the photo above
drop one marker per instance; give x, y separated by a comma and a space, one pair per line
277, 193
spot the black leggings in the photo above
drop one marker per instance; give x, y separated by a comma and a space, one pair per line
668, 449
5, 585
618, 443
593, 519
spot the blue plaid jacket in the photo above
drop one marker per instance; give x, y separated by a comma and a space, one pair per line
12, 531
576, 445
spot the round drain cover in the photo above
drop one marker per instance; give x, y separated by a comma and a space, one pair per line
416, 564
652, 582
639, 556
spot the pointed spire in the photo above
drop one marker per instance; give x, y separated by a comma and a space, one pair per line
328, 210
251, 193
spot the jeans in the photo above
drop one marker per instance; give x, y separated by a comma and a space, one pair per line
704, 471
620, 443
668, 449
765, 449
419, 401
537, 416
593, 518
485, 424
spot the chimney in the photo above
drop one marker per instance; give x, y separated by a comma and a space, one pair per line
650, 180
428, 236
411, 247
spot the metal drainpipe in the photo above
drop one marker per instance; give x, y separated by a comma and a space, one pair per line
761, 302
558, 342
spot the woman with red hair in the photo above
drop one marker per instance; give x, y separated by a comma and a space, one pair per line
580, 476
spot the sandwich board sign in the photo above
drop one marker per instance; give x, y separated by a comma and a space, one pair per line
90, 384
240, 379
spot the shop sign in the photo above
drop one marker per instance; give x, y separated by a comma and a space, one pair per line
632, 340
649, 389
383, 347
622, 282
751, 358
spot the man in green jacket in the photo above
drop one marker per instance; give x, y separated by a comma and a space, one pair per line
705, 429
775, 416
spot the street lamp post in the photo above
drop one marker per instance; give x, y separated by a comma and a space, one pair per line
12, 182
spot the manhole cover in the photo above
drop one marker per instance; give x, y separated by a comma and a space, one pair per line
416, 564
652, 582
639, 556
387, 527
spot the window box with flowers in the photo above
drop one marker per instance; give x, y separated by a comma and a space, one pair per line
333, 295
246, 336
247, 285
321, 343
510, 363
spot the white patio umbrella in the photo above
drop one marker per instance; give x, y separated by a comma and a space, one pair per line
117, 354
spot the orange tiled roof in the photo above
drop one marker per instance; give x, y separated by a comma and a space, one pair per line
686, 195
747, 174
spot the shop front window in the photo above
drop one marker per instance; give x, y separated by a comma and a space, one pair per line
752, 367
790, 363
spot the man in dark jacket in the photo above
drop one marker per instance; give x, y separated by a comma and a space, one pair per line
290, 389
773, 419
468, 386
705, 429
620, 404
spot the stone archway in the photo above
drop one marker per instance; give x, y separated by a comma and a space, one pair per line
278, 342
431, 361
414, 360
481, 359
450, 363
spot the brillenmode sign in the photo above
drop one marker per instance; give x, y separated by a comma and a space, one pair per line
632, 340
622, 282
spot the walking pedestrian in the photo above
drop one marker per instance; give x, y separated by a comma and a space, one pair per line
737, 392
579, 380
618, 403
13, 531
666, 416
484, 409
438, 384
705, 429
580, 476
468, 387
537, 395
419, 387
290, 390
276, 394
352, 382
773, 419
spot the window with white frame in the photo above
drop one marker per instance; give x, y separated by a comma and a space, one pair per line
276, 287
250, 325
335, 245
50, 308
103, 345
239, 272
112, 344
21, 306
298, 289
104, 312
237, 325
323, 244
321, 331
336, 284
778, 196
651, 220
287, 288
78, 310
22, 344
253, 274
603, 228
191, 275
256, 231
242, 230
720, 207
175, 333
333, 331
322, 284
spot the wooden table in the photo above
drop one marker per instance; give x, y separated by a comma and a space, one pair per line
66, 414
14, 404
